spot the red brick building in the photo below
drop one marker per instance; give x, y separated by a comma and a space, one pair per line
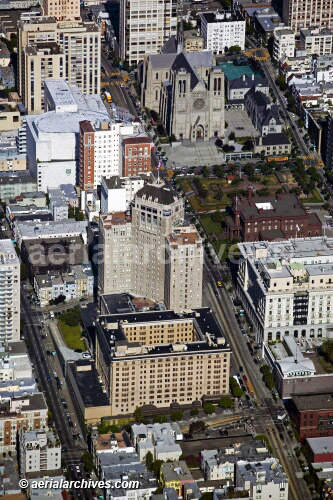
320, 449
87, 155
313, 415
268, 218
136, 152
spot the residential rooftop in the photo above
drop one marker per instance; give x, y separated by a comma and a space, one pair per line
32, 230
8, 253
176, 471
122, 303
264, 472
225, 16
115, 219
30, 402
316, 250
9, 479
16, 178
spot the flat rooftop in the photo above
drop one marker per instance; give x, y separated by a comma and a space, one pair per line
296, 250
306, 402
8, 253
121, 303
206, 335
321, 445
32, 230
88, 384
269, 469
223, 16
115, 219
60, 92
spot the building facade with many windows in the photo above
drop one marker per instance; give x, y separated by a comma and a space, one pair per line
62, 11
286, 287
145, 26
78, 46
299, 14
222, 30
160, 358
9, 292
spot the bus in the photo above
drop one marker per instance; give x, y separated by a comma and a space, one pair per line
250, 387
108, 96
278, 158
237, 379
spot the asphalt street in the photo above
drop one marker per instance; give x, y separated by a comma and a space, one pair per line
267, 410
44, 371
118, 91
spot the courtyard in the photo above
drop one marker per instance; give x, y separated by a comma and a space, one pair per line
239, 123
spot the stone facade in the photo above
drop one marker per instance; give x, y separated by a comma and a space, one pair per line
187, 90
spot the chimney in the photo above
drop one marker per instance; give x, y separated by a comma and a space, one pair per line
244, 77
253, 76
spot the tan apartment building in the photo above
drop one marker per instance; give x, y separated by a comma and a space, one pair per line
316, 41
184, 266
10, 116
116, 262
161, 357
65, 10
299, 14
75, 56
29, 412
10, 162
136, 153
39, 62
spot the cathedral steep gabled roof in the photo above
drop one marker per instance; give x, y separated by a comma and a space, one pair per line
182, 63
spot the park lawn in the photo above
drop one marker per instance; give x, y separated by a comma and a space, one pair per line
228, 250
72, 336
207, 182
198, 207
210, 226
270, 180
316, 197
185, 184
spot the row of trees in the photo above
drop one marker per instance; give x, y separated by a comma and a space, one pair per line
202, 191
235, 388
268, 377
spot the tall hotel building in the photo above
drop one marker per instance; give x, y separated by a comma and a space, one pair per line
145, 26
153, 253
